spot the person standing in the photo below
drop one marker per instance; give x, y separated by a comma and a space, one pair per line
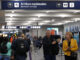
5, 49
70, 47
50, 46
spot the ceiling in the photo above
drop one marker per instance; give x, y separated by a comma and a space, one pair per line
41, 17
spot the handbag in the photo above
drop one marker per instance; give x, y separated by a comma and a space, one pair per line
74, 54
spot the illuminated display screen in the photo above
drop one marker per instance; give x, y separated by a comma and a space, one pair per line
56, 30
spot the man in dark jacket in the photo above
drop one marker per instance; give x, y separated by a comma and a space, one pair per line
50, 46
20, 48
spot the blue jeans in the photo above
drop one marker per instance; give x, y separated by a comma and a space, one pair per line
50, 57
4, 57
18, 57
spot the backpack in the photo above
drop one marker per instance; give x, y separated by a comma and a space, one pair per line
3, 48
55, 48
21, 47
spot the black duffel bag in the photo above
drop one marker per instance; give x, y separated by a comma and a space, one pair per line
74, 55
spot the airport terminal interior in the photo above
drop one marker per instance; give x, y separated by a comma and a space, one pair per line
36, 22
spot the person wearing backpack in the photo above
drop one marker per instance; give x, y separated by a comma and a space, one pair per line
50, 46
20, 48
5, 49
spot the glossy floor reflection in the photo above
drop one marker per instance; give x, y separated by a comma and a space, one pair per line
38, 55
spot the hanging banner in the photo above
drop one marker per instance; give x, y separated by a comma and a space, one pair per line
40, 5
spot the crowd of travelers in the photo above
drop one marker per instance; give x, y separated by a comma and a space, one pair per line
16, 47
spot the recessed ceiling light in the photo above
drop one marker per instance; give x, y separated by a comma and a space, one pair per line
67, 21
41, 23
46, 21
10, 19
9, 23
75, 11
34, 18
76, 19
58, 24
47, 11
53, 20
30, 22
3, 27
63, 15
39, 16
12, 11
11, 16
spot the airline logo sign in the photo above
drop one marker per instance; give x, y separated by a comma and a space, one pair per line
37, 5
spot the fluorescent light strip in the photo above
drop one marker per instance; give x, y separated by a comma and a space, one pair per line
46, 21
67, 21
76, 19
12, 11
63, 15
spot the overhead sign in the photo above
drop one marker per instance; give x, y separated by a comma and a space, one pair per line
21, 27
39, 5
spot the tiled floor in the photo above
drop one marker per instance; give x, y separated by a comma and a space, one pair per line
39, 56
